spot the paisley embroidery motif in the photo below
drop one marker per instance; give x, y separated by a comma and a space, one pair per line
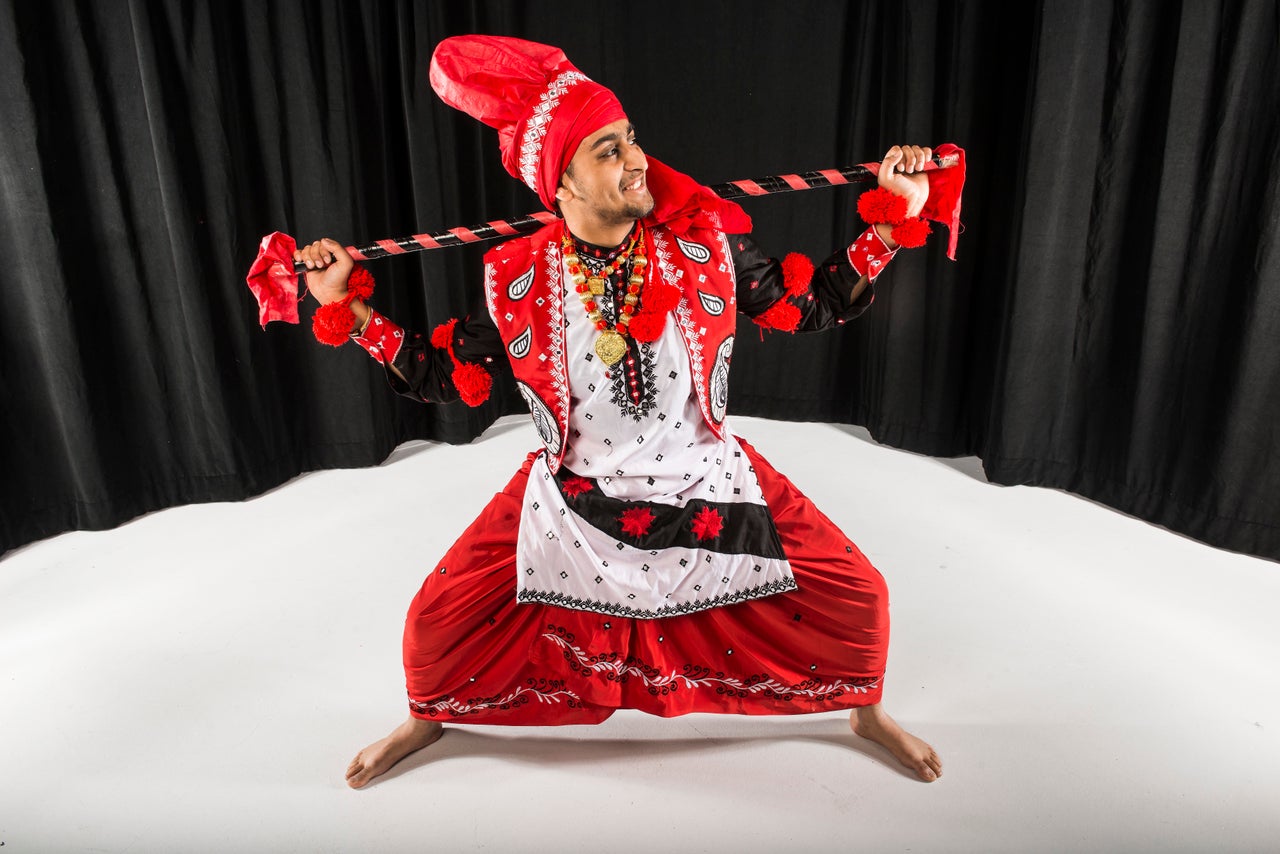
543, 420
520, 287
694, 251
720, 380
713, 304
519, 348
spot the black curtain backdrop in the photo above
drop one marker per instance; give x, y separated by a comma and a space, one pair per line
1110, 327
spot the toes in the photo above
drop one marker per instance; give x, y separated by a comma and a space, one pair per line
934, 764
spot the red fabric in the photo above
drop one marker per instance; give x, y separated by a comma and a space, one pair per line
382, 339
501, 81
473, 655
681, 203
945, 188
272, 280
869, 255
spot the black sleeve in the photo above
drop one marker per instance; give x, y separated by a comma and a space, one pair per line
428, 369
762, 286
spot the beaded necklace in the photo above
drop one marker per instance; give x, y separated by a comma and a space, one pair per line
611, 345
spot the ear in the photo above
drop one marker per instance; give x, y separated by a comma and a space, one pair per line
565, 192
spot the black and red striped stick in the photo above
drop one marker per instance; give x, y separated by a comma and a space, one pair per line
767, 186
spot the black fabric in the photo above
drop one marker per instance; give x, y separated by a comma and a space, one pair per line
1110, 326
828, 301
746, 528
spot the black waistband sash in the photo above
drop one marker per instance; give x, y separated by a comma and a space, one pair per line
725, 527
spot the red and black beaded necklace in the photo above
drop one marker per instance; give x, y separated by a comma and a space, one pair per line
610, 282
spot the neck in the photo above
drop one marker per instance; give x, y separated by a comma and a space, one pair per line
598, 233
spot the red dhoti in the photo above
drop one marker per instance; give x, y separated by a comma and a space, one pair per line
472, 654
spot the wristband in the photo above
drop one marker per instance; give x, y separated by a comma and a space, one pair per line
381, 338
869, 254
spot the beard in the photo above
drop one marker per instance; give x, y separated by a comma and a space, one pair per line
628, 211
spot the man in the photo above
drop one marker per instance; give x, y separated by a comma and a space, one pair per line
647, 557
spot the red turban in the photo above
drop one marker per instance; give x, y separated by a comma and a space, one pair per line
541, 105
543, 108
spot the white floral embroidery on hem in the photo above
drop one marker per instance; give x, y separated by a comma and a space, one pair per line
772, 686
453, 707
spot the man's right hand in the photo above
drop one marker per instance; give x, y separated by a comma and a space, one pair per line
328, 266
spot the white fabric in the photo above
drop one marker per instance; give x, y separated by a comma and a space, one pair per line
669, 456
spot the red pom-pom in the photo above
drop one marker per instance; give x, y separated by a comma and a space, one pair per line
443, 334
360, 283
911, 233
473, 383
797, 273
881, 205
332, 323
782, 315
647, 325
660, 298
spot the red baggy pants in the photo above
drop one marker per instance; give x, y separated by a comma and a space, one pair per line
472, 654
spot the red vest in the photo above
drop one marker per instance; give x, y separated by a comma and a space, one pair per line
524, 288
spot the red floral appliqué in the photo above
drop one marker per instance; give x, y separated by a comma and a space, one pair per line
636, 521
707, 524
575, 486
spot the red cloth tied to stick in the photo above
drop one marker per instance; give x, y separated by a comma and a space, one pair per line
273, 281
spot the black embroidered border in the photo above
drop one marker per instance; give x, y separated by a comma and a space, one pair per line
615, 609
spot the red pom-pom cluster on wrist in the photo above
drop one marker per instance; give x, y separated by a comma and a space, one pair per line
332, 322
882, 207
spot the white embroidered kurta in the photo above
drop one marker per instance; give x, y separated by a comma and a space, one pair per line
667, 457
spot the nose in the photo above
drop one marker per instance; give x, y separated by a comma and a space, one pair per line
634, 159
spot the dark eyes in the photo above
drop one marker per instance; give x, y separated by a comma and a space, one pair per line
613, 152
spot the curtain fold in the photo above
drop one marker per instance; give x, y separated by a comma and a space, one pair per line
1109, 327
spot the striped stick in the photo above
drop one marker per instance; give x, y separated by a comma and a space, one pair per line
767, 186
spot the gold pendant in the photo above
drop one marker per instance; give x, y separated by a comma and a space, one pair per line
596, 284
611, 347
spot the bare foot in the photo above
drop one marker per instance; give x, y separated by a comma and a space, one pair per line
874, 723
377, 758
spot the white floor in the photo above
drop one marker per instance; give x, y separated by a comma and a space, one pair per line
197, 680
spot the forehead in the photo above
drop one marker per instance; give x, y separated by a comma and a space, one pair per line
613, 130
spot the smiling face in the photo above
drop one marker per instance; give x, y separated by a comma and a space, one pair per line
603, 192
